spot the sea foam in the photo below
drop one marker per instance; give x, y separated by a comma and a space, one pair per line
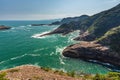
40, 35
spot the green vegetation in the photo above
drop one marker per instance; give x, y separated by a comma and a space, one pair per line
112, 39
72, 74
46, 68
109, 76
2, 76
105, 21
60, 72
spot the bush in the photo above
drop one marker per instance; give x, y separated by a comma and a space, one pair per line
72, 74
46, 68
2, 76
99, 77
109, 76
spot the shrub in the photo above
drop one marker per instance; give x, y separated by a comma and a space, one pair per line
46, 68
99, 77
2, 76
72, 74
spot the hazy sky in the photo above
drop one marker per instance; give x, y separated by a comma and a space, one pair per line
51, 9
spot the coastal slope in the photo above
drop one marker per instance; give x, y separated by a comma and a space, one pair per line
29, 72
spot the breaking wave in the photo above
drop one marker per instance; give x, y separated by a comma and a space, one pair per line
61, 61
59, 49
18, 57
39, 35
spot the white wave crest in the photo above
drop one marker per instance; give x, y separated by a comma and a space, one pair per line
61, 61
51, 53
3, 62
39, 49
59, 49
18, 57
34, 55
72, 36
29, 25
40, 35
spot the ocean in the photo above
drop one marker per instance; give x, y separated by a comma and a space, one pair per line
22, 45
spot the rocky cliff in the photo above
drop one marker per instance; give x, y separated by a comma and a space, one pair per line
105, 49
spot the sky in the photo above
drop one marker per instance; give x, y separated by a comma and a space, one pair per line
51, 9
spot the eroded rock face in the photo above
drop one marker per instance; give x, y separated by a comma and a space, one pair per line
92, 51
2, 27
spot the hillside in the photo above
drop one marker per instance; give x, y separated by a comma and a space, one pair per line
75, 19
95, 26
67, 25
112, 39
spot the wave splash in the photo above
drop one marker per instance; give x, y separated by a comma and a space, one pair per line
40, 35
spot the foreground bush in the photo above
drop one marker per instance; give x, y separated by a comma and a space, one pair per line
2, 76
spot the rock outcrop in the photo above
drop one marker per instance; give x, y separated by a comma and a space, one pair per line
2, 27
92, 51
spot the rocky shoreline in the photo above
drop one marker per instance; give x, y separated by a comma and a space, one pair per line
92, 51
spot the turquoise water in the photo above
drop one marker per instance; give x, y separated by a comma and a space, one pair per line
21, 45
